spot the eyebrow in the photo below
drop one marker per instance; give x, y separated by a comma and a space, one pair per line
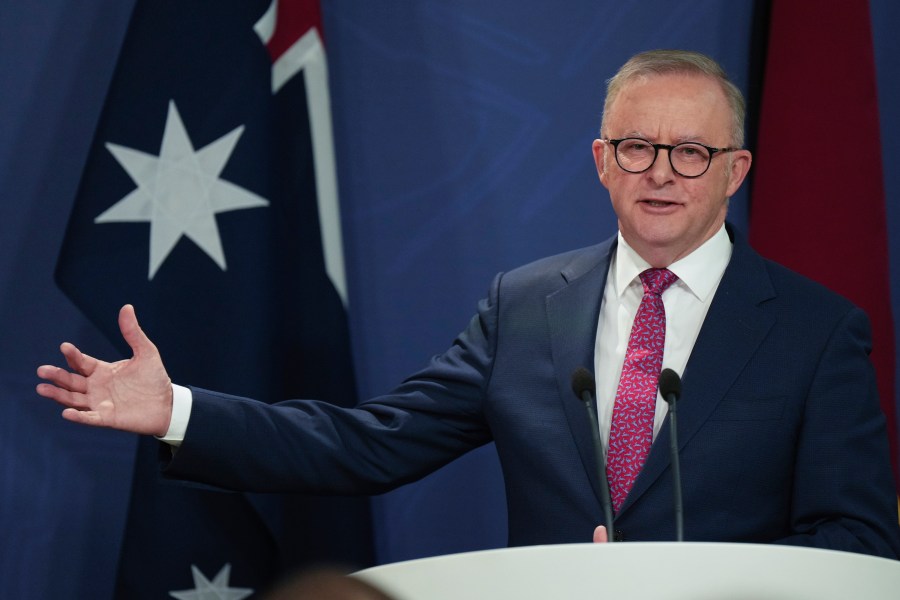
679, 140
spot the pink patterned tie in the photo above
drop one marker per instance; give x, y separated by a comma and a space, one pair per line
631, 432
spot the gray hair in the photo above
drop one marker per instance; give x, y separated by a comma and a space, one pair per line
680, 62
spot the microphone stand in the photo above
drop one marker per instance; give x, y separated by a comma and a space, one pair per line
604, 483
584, 386
676, 467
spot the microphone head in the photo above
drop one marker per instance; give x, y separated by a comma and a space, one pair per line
669, 385
583, 381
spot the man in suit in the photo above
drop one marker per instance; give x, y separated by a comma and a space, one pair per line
781, 435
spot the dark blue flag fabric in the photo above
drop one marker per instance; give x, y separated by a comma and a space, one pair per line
209, 202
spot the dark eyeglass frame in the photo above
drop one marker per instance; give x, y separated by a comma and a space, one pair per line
657, 147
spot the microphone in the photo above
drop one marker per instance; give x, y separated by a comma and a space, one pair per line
670, 389
584, 387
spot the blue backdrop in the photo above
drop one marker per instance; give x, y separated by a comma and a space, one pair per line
463, 134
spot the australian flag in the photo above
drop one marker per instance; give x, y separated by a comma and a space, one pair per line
209, 201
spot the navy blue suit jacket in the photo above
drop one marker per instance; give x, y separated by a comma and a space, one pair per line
781, 435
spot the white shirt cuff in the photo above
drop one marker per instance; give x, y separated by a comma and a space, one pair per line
182, 400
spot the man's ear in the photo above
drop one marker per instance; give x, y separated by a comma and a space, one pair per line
740, 166
599, 150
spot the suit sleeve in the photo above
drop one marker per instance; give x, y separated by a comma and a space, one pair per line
315, 447
843, 492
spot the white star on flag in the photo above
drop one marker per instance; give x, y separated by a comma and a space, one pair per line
217, 589
179, 192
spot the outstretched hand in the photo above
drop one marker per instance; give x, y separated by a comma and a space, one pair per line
131, 395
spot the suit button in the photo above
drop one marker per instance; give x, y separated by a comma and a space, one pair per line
618, 536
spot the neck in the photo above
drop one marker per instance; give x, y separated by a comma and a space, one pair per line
661, 256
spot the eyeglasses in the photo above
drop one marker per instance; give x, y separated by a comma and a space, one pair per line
688, 159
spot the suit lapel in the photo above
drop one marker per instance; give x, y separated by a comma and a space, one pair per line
731, 333
572, 314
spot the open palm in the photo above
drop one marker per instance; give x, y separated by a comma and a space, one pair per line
131, 395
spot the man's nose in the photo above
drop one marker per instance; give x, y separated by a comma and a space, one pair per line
661, 170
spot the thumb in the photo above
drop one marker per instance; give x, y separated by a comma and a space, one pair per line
600, 535
132, 332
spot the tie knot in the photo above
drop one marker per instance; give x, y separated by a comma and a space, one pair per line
657, 280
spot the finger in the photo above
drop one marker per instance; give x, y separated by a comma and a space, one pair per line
85, 417
77, 360
600, 536
132, 332
62, 378
62, 396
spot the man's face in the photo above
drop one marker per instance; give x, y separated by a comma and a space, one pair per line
663, 215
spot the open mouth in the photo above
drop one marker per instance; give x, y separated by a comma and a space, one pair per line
657, 203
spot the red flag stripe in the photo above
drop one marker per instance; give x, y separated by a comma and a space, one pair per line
293, 18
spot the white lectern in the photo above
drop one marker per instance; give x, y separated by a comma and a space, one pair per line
636, 571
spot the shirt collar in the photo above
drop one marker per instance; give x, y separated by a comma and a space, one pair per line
699, 272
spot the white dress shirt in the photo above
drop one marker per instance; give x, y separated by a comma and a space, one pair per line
686, 301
